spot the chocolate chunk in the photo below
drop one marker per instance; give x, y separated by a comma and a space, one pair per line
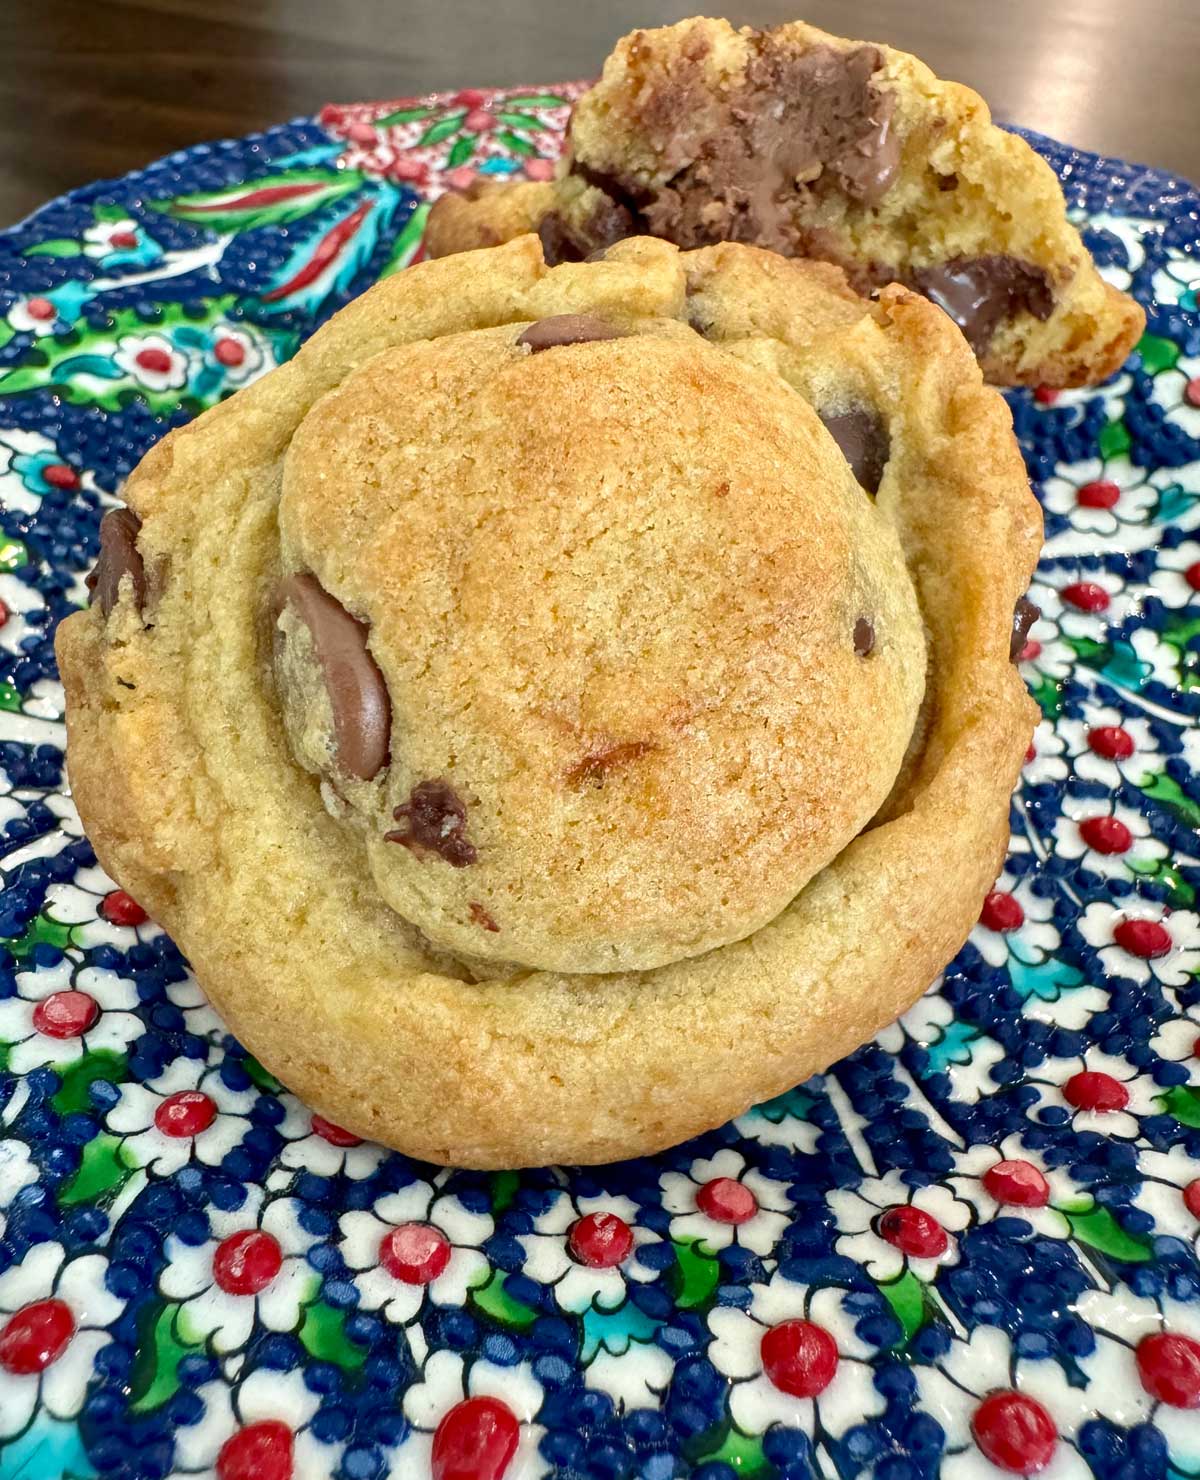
119, 557
584, 236
981, 293
864, 637
435, 822
592, 769
558, 244
481, 917
358, 696
564, 329
948, 182
1025, 614
864, 442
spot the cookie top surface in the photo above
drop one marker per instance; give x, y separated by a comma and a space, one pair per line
632, 652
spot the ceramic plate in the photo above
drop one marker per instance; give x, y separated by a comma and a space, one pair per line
968, 1250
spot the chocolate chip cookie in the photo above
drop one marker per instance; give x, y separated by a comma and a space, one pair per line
815, 146
565, 705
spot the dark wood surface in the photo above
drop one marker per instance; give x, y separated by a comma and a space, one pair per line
92, 88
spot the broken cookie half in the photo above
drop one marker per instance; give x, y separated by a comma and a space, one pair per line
815, 146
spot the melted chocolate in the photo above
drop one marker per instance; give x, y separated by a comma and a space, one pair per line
864, 637
565, 329
362, 711
119, 557
981, 293
864, 443
1025, 614
435, 821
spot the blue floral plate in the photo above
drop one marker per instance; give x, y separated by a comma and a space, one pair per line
968, 1250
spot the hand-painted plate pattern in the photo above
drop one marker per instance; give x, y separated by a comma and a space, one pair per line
969, 1250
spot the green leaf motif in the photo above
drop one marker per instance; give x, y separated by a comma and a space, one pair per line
102, 1173
40, 931
272, 200
536, 100
515, 119
161, 1347
695, 1275
1183, 1102
504, 1187
402, 115
1156, 353
262, 1078
906, 1296
743, 1453
463, 148
517, 144
59, 246
1048, 696
10, 698
494, 1301
1115, 440
78, 1078
793, 1104
1160, 787
1096, 1227
616, 1330
442, 129
323, 1335
1179, 630
1182, 895
13, 553
109, 212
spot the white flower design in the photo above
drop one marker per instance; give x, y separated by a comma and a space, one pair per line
1176, 576
587, 1249
1142, 940
1170, 1193
721, 1201
1013, 1181
1108, 746
186, 1112
1178, 279
33, 315
106, 237
17, 1170
153, 361
1147, 1364
447, 1393
53, 1315
1178, 1041
1109, 505
102, 914
261, 1426
252, 1267
1177, 392
198, 1013
239, 354
414, 1244
1108, 838
793, 1359
1015, 920
1046, 652
58, 1018
316, 1145
1044, 759
1003, 1414
889, 1227
967, 1063
1079, 603
1099, 1092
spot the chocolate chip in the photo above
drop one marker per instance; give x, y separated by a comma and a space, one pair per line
947, 182
981, 293
1025, 614
481, 917
435, 822
564, 329
864, 443
119, 557
864, 637
592, 769
358, 696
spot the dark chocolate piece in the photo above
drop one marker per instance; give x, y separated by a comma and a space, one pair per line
564, 329
864, 637
119, 557
1025, 614
358, 696
981, 293
435, 822
864, 442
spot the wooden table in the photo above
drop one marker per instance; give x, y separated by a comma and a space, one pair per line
92, 88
